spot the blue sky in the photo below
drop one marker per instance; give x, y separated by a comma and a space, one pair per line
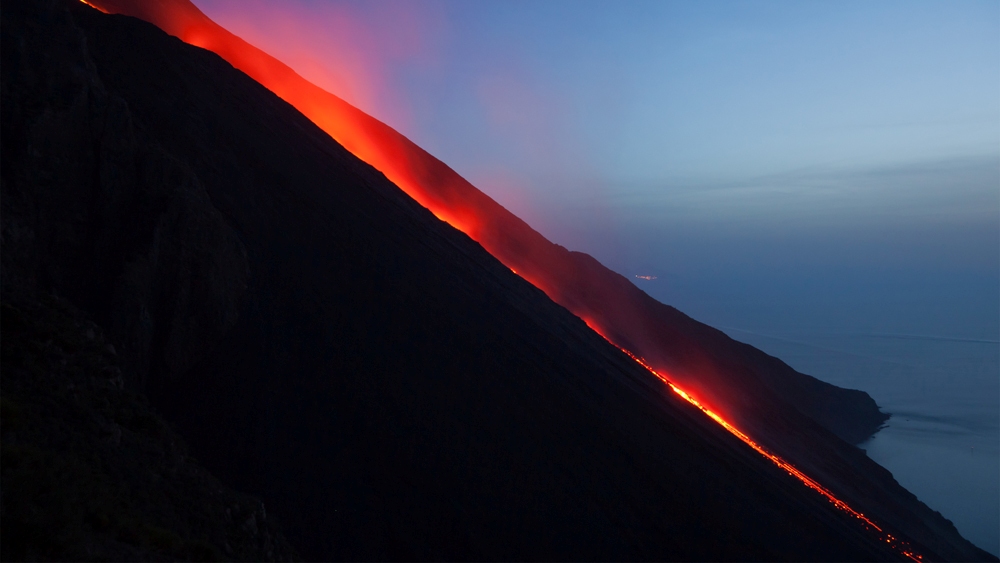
731, 148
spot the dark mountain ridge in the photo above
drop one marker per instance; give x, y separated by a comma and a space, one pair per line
387, 387
729, 377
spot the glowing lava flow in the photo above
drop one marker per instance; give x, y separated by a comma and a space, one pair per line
613, 304
899, 545
586, 288
98, 8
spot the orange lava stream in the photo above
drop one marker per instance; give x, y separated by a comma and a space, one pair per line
428, 181
98, 8
900, 546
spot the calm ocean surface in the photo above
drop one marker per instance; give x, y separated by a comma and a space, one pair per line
926, 347
943, 440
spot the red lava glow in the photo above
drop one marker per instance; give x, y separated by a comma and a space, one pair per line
582, 285
344, 47
899, 545
370, 140
98, 8
791, 469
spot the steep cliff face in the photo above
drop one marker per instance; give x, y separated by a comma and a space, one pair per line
387, 387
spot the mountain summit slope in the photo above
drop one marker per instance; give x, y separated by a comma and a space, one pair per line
386, 386
730, 377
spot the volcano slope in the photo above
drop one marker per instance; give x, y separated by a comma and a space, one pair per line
726, 375
382, 383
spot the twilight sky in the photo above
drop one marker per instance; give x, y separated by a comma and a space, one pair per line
820, 179
769, 152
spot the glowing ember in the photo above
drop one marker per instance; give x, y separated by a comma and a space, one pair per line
645, 277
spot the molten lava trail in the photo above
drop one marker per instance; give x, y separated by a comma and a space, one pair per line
436, 187
897, 544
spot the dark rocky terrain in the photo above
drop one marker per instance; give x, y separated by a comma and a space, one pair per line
386, 387
90, 471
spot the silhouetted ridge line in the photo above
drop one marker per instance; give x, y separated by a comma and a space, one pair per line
700, 358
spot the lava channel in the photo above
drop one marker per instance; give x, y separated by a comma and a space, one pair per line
432, 184
899, 545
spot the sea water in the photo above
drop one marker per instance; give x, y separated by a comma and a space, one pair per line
943, 440
923, 343
928, 353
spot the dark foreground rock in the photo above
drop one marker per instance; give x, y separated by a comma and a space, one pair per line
90, 471
385, 386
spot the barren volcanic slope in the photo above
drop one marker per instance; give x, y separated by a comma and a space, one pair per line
387, 387
729, 377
